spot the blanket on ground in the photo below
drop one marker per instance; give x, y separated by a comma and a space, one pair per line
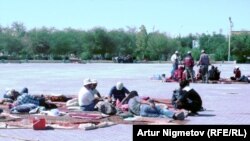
75, 119
221, 81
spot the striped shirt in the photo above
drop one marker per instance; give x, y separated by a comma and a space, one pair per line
26, 98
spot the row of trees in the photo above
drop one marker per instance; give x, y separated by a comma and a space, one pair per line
16, 42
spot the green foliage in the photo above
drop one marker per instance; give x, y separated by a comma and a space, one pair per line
3, 57
40, 40
107, 56
215, 44
18, 29
160, 46
196, 52
85, 56
241, 47
16, 42
141, 50
56, 57
122, 42
187, 42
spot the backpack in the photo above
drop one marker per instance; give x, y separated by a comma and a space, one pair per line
106, 108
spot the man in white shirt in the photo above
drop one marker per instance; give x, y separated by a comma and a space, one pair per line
86, 97
94, 90
175, 61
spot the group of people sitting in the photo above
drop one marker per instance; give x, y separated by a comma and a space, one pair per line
187, 99
238, 77
213, 75
181, 74
89, 99
183, 70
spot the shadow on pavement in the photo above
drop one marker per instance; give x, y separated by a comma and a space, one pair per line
203, 115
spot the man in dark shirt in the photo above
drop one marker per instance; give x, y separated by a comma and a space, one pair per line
189, 64
237, 73
188, 98
118, 92
204, 62
213, 73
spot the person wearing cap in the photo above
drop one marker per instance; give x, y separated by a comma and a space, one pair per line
75, 102
204, 62
118, 92
94, 90
189, 64
86, 98
175, 59
12, 94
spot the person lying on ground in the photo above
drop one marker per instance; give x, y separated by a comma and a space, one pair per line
158, 77
25, 98
144, 108
12, 94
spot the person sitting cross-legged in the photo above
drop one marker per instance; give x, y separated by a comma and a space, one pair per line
187, 98
86, 98
213, 73
118, 92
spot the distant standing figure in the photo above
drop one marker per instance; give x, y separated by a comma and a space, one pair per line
204, 62
175, 62
189, 64
118, 92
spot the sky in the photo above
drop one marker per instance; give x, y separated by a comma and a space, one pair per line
173, 17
